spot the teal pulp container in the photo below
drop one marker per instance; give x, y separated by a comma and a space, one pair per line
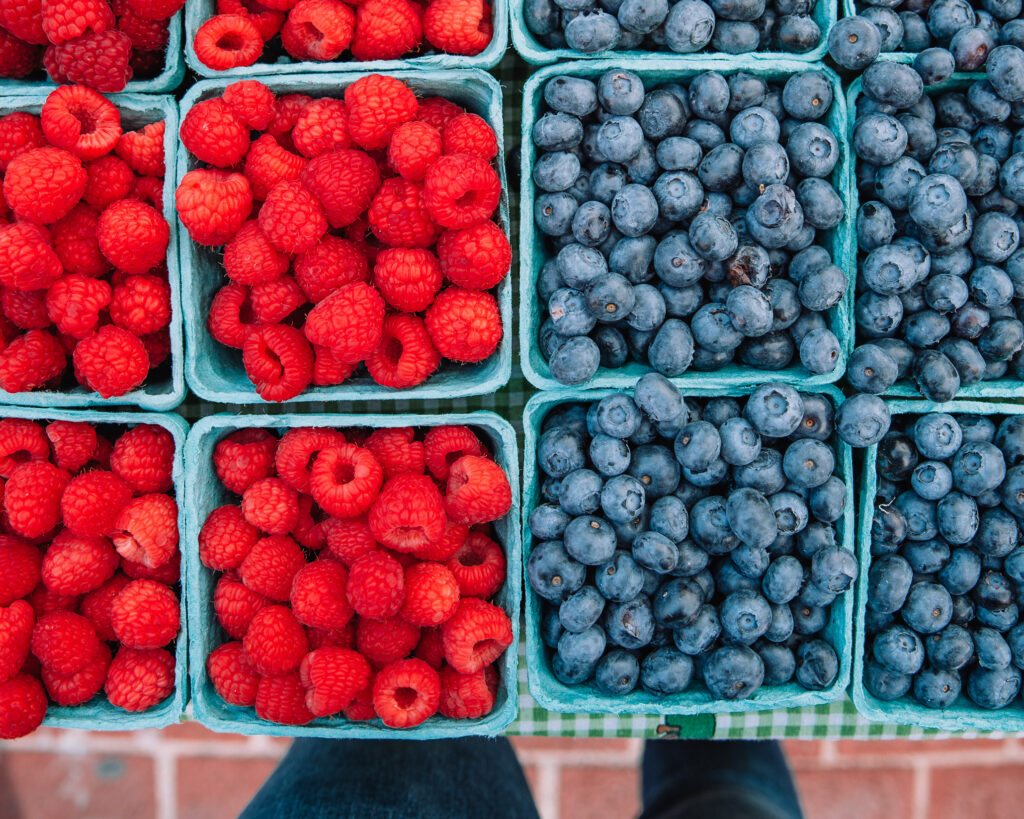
98, 714
963, 715
554, 695
533, 254
204, 492
198, 12
159, 395
215, 372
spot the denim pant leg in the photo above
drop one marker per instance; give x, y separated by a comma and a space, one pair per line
388, 779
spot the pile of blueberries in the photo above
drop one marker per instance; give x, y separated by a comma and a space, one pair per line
684, 540
947, 571
687, 225
680, 26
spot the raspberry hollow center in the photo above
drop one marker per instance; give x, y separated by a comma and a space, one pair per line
406, 697
230, 41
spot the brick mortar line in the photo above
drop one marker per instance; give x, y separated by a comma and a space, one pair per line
579, 759
549, 790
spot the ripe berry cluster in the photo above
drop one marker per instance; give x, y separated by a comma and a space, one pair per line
947, 570
83, 247
340, 229
89, 568
357, 568
685, 540
323, 30
98, 43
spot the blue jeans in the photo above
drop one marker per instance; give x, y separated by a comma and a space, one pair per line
473, 778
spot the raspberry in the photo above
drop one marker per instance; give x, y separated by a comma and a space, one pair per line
77, 245
24, 20
298, 449
275, 641
408, 514
150, 191
458, 26
134, 237
291, 218
413, 147
18, 59
139, 679
252, 102
322, 127
226, 538
405, 356
230, 317
477, 257
361, 708
167, 573
31, 361
91, 503
465, 696
213, 205
100, 61
271, 566
244, 457
32, 498
437, 111
19, 132
44, 601
478, 491
158, 347
112, 361
376, 585
228, 41
146, 35
454, 537
348, 539
44, 184
268, 163
144, 458
397, 450
376, 106
461, 190
146, 64
386, 30
96, 606
476, 635
250, 258
27, 262
479, 566
332, 677
345, 480
145, 614
327, 370
406, 693
20, 563
73, 442
109, 180
25, 309
464, 325
233, 678
470, 134
386, 640
349, 321
16, 622
408, 278
345, 182
64, 641
22, 706
398, 215
141, 304
282, 700
214, 134
331, 264
272, 302
318, 30
21, 441
286, 114
143, 150
65, 20
156, 9
278, 361
271, 505
318, 595
146, 531
340, 638
267, 21
235, 605
431, 594
430, 648
82, 121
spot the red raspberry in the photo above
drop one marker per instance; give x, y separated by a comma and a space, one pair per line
318, 30
464, 325
332, 678
143, 150
226, 538
458, 26
213, 205
271, 566
22, 706
250, 258
376, 585
398, 215
309, 531
272, 302
275, 641
461, 190
268, 21
146, 531
19, 132
109, 180
25, 309
158, 347
282, 700
479, 566
228, 41
478, 491
244, 457
24, 20
397, 450
112, 361
233, 678
322, 127
96, 606
327, 369
437, 111
150, 191
470, 134
73, 442
476, 635
20, 563
405, 356
145, 614
408, 278
291, 218
477, 258
147, 64
339, 638
32, 498
431, 594
146, 35
278, 361
133, 236
18, 59
444, 445
16, 622
77, 245
361, 708
406, 693
100, 61
333, 263
348, 539
454, 537
91, 503
168, 573
345, 480
268, 163
144, 458
386, 29
431, 649
82, 121
384, 641
318, 595
298, 449
252, 102
413, 147
31, 361
27, 262
65, 20
286, 114
345, 182
64, 641
43, 185
235, 604
271, 505
21, 441
376, 106
225, 321
466, 696
408, 514
349, 321
141, 304
156, 9
44, 601
137, 680
214, 134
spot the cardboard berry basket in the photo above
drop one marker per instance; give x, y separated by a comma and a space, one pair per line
533, 253
98, 714
963, 715
198, 12
554, 695
161, 394
204, 492
215, 372
533, 51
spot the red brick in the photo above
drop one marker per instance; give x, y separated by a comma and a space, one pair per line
856, 794
195, 731
572, 744
532, 774
213, 788
598, 793
904, 747
76, 786
798, 749
989, 792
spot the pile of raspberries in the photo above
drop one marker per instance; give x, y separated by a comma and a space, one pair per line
89, 568
357, 569
323, 30
98, 43
354, 232
83, 246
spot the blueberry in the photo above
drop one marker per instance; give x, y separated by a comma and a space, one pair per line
791, 513
833, 569
782, 580
928, 608
879, 138
630, 625
671, 350
775, 217
678, 154
957, 517
658, 397
634, 209
978, 467
808, 619
822, 207
899, 650
560, 451
932, 480
548, 522
884, 684
553, 574
576, 361
1003, 69
592, 31
828, 501
994, 688
740, 443
993, 590
764, 473
733, 672
753, 125
591, 225
620, 92
808, 463
817, 665
619, 138
775, 410
937, 688
699, 635
819, 351
889, 581
675, 260
622, 499
666, 671
581, 492
589, 540
926, 556
581, 610
697, 445
571, 95
553, 213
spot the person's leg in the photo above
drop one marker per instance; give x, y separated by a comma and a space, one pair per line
702, 779
381, 779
